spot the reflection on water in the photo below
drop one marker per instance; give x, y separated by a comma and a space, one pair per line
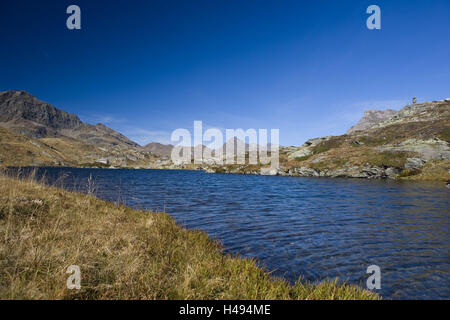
314, 228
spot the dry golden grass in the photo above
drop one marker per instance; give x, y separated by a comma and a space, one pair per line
432, 171
19, 150
123, 254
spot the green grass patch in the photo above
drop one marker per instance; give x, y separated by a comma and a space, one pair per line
319, 165
371, 141
325, 146
389, 159
445, 135
339, 162
409, 172
304, 158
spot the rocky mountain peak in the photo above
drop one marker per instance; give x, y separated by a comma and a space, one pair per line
25, 114
372, 118
17, 106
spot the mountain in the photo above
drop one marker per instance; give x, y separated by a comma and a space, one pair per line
33, 132
413, 143
165, 150
158, 149
371, 118
237, 143
23, 113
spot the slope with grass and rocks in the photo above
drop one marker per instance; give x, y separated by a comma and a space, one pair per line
413, 143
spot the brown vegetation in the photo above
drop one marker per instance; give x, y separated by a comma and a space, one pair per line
124, 254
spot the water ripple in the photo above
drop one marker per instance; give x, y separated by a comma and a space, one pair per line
314, 228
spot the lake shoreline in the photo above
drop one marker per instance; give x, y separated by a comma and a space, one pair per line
137, 254
309, 173
317, 228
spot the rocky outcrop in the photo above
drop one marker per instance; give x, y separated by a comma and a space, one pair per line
414, 163
358, 172
431, 149
365, 172
269, 171
422, 112
307, 148
16, 106
372, 118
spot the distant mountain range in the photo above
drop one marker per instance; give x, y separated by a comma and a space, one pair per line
25, 114
161, 150
412, 143
56, 137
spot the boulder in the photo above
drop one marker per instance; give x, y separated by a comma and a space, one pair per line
209, 170
347, 172
374, 172
131, 157
414, 163
392, 173
300, 153
306, 149
269, 171
102, 161
306, 172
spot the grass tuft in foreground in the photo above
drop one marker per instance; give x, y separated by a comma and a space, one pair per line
123, 254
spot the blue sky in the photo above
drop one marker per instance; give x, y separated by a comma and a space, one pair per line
145, 68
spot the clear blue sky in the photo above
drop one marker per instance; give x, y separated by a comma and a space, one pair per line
145, 68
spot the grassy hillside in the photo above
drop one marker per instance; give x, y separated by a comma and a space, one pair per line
17, 150
418, 131
123, 254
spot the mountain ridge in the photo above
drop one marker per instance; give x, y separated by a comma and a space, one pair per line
413, 143
370, 118
25, 114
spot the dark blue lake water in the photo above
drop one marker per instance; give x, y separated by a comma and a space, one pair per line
314, 228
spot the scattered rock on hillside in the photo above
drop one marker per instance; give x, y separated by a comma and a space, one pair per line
307, 148
431, 149
414, 163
